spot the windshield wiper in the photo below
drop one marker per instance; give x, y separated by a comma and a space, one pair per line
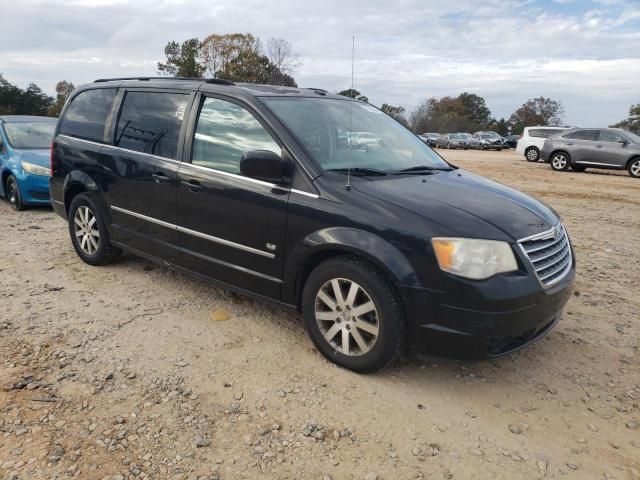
421, 169
362, 171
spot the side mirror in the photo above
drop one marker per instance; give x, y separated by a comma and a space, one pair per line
624, 142
265, 165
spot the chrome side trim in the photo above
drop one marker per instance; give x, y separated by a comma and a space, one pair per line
82, 140
195, 233
602, 164
187, 165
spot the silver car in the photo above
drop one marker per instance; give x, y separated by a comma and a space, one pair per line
582, 148
474, 142
452, 140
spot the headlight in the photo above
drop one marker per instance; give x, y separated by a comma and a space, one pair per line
35, 169
475, 259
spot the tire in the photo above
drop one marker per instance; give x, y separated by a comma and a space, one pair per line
377, 346
560, 161
578, 168
634, 167
13, 194
532, 154
88, 231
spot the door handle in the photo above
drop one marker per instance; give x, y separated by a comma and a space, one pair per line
598, 146
160, 178
569, 143
193, 185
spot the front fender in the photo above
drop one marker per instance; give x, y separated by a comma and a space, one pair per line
335, 240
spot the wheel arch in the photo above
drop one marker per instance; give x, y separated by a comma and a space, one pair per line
75, 183
561, 150
635, 156
332, 242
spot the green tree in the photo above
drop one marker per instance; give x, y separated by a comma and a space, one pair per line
10, 96
499, 126
353, 93
475, 108
537, 111
632, 123
395, 112
63, 90
182, 59
239, 57
34, 101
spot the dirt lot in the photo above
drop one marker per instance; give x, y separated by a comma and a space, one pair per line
122, 371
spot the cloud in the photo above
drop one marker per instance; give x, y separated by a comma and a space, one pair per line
583, 53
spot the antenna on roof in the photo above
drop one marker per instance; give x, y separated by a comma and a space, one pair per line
352, 95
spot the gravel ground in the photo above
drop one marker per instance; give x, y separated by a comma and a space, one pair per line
134, 371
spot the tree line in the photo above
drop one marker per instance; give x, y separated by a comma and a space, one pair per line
32, 100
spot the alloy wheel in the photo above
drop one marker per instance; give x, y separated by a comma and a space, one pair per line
86, 230
347, 317
559, 161
635, 168
532, 155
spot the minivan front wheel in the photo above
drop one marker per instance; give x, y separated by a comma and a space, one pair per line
88, 230
634, 168
560, 161
532, 154
353, 315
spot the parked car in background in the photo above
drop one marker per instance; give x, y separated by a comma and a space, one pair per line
246, 186
25, 145
533, 139
579, 149
511, 141
492, 141
365, 139
473, 141
430, 139
452, 140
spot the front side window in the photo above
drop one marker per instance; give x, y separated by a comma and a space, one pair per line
29, 135
324, 127
225, 131
582, 135
609, 136
87, 115
150, 122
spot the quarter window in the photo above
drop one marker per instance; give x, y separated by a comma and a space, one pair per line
86, 117
225, 131
538, 132
150, 122
609, 136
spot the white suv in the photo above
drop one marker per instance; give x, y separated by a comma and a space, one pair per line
533, 139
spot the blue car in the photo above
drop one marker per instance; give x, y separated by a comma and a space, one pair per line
25, 143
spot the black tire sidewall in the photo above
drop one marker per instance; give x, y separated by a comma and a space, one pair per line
100, 256
18, 206
390, 315
566, 166
532, 149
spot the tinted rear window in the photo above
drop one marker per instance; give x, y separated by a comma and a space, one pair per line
150, 122
86, 116
537, 132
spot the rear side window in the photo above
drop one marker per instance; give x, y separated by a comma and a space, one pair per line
86, 117
224, 132
582, 135
150, 122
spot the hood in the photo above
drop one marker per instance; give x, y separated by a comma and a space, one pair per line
466, 204
37, 157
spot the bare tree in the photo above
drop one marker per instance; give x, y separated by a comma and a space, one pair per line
280, 54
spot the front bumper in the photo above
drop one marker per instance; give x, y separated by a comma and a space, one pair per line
484, 319
34, 189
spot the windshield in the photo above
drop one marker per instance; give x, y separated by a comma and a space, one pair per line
323, 126
632, 136
27, 135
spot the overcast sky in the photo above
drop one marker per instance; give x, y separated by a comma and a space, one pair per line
583, 52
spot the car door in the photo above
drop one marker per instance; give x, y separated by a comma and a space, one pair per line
230, 227
139, 171
611, 149
579, 144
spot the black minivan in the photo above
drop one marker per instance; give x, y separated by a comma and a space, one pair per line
312, 201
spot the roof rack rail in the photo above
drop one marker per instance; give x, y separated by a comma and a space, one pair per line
217, 81
316, 89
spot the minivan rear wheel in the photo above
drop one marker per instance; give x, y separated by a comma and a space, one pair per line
88, 230
353, 314
634, 168
560, 161
532, 154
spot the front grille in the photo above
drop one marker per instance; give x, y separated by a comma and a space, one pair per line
39, 195
549, 253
